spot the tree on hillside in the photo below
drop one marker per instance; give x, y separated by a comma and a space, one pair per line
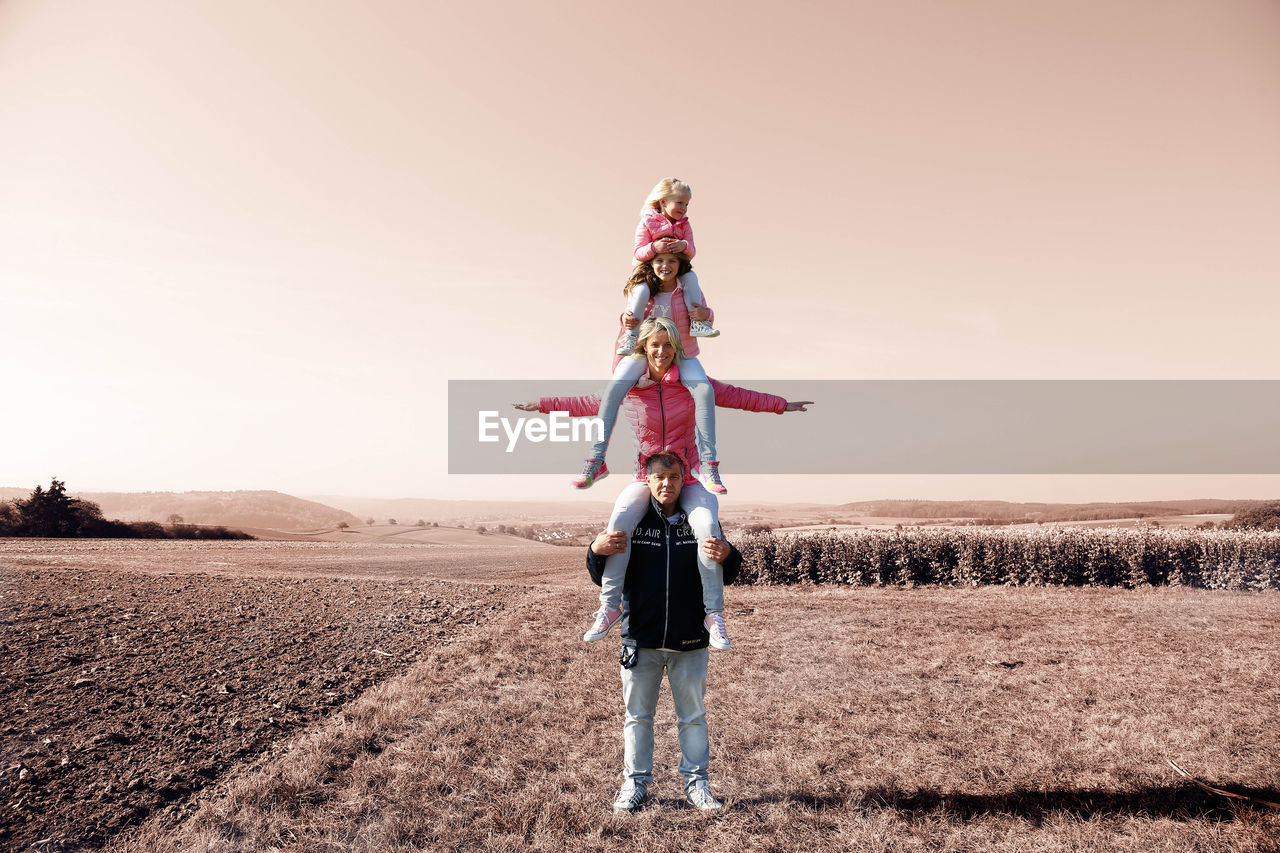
10, 519
368, 522
53, 513
391, 521
342, 525
421, 523
174, 518
1263, 517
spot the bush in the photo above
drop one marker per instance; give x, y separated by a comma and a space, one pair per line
1065, 556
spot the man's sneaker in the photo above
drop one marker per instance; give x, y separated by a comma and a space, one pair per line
627, 345
593, 472
699, 796
715, 627
709, 474
605, 617
630, 796
702, 329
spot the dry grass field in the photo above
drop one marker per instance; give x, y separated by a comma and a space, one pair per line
844, 718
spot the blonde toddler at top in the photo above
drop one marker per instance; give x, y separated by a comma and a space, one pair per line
664, 227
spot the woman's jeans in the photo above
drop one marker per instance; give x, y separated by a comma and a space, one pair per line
703, 510
687, 675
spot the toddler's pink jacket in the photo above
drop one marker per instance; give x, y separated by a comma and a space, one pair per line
654, 225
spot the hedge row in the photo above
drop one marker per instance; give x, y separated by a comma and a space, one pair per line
1068, 556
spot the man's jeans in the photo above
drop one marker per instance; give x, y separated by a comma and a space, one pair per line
687, 675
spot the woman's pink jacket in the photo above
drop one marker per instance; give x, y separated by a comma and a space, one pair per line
653, 226
661, 414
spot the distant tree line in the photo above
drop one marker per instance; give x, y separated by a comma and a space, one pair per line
52, 512
1262, 517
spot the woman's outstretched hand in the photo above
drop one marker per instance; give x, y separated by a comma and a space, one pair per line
531, 406
799, 405
699, 312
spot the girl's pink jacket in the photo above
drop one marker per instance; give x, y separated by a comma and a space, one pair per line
661, 414
679, 316
653, 226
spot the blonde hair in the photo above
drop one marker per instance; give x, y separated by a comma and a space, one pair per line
665, 189
643, 274
652, 326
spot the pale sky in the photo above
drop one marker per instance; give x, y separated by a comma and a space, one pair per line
245, 245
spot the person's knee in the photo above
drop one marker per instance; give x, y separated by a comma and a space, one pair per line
700, 388
704, 523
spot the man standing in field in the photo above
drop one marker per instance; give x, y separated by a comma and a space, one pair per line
663, 631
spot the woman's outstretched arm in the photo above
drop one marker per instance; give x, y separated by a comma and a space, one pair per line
587, 406
733, 397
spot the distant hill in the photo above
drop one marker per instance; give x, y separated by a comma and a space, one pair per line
409, 510
1007, 511
229, 509
279, 511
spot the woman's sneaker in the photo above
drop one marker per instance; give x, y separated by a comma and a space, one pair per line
709, 475
593, 472
628, 343
605, 617
701, 329
715, 627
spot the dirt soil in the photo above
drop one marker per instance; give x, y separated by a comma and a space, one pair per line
126, 691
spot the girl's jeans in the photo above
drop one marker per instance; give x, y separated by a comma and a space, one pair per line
692, 376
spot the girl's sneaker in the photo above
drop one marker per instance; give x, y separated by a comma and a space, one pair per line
701, 329
593, 472
628, 343
709, 474
605, 618
715, 627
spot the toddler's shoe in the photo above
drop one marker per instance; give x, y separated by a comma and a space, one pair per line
605, 617
701, 329
593, 472
628, 343
709, 475
715, 627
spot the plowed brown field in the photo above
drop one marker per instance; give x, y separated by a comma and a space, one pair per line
136, 672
